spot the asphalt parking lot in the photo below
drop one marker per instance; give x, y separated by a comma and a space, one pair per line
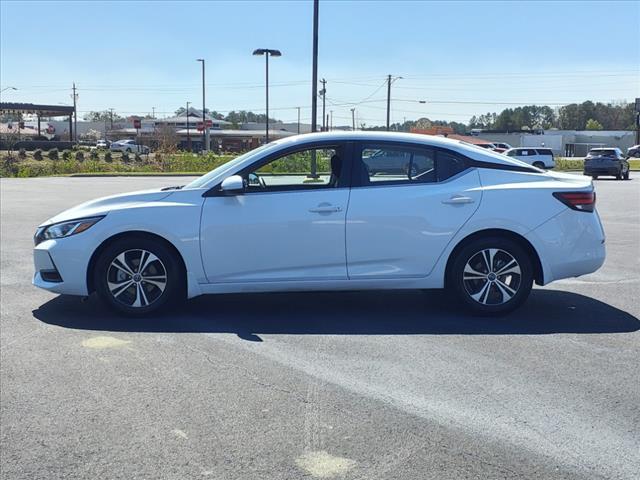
359, 385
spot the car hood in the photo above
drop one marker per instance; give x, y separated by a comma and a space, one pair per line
104, 205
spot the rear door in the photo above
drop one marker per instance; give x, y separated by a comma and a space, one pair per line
400, 222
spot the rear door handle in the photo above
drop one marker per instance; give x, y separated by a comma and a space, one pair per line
458, 200
327, 209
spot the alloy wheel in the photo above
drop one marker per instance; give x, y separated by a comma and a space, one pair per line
492, 276
136, 278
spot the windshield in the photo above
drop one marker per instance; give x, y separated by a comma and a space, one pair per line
203, 180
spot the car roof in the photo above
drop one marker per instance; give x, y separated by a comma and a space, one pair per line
472, 151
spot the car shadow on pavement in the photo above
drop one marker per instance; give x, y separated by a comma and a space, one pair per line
348, 313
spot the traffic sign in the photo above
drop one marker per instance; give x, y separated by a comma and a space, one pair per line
137, 124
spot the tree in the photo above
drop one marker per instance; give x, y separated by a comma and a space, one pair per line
593, 124
103, 116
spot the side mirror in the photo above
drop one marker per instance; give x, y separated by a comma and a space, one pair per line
232, 184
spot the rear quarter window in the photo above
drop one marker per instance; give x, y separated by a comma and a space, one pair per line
449, 164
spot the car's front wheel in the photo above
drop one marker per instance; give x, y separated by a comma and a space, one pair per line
491, 276
138, 276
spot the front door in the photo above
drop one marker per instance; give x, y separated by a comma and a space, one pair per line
288, 224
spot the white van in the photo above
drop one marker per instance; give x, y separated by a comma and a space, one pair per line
538, 157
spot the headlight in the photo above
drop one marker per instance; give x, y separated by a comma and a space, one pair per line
65, 229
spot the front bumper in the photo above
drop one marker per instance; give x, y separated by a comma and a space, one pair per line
61, 266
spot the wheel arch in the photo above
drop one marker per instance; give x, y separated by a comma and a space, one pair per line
132, 233
538, 272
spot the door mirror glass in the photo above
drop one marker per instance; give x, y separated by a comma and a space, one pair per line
234, 183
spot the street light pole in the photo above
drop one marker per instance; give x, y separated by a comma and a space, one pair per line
205, 130
353, 119
298, 120
267, 53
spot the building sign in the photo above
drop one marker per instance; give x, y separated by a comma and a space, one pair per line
137, 124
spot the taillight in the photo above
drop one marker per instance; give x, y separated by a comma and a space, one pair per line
582, 201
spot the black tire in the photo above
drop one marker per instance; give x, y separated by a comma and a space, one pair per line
619, 174
128, 150
626, 175
157, 298
493, 303
637, 154
539, 165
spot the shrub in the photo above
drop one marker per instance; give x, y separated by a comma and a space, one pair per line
126, 158
22, 153
37, 154
80, 156
108, 157
66, 154
53, 154
93, 155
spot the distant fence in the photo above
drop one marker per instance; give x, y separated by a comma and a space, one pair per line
35, 144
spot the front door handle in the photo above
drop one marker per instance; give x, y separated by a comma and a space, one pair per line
325, 209
458, 200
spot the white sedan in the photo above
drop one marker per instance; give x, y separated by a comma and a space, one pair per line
129, 146
314, 212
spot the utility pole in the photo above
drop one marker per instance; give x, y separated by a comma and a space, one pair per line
388, 100
111, 117
75, 114
389, 82
188, 133
353, 119
637, 121
153, 115
298, 120
323, 92
205, 130
330, 120
314, 74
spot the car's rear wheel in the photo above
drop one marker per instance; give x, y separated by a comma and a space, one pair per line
138, 276
538, 165
619, 174
626, 174
491, 276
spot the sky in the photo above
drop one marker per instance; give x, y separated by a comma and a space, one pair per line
460, 58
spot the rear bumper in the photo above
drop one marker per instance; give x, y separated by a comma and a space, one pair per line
602, 171
570, 244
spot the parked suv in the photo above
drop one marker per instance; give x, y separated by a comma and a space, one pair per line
634, 151
606, 161
538, 157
